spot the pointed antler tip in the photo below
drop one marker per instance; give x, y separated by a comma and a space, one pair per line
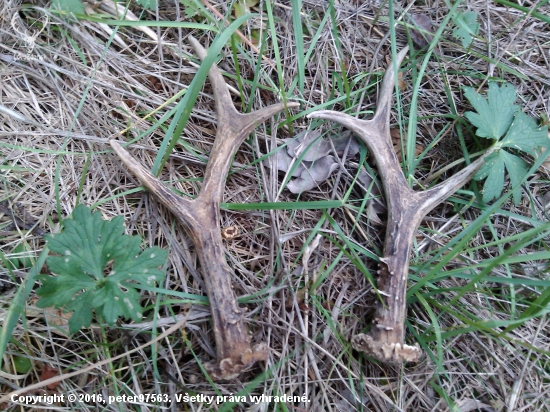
332, 115
199, 49
192, 40
322, 114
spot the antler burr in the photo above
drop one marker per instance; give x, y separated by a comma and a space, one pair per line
201, 217
406, 209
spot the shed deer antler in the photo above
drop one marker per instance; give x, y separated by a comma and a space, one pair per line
201, 217
406, 209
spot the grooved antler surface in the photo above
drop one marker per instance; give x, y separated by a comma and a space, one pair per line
406, 209
201, 217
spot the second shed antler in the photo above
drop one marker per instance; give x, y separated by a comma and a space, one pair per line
201, 217
406, 209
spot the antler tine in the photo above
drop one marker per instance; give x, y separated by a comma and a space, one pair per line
443, 190
177, 204
382, 114
375, 133
224, 104
231, 133
406, 209
201, 216
233, 128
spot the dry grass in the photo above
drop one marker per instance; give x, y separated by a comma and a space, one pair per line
76, 92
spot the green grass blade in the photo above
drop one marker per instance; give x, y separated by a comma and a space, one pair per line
299, 45
413, 116
529, 10
148, 23
17, 307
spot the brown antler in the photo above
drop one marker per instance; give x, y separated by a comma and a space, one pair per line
201, 217
406, 209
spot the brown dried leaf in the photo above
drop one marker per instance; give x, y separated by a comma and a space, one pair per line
396, 141
47, 373
402, 84
53, 316
316, 163
130, 103
422, 36
314, 174
300, 297
155, 83
346, 140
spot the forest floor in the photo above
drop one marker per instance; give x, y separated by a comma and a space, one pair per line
305, 264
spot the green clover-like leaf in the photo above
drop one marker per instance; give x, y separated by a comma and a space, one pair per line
467, 26
69, 6
524, 135
493, 171
147, 4
498, 116
97, 267
494, 114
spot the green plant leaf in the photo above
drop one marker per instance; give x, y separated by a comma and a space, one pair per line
493, 171
495, 115
190, 8
243, 7
15, 262
147, 4
24, 260
517, 168
467, 26
524, 135
69, 6
97, 267
22, 364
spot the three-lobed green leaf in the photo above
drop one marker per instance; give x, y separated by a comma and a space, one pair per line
498, 116
467, 26
493, 171
69, 6
147, 4
98, 267
495, 115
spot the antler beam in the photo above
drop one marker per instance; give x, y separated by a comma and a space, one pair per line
406, 209
201, 217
